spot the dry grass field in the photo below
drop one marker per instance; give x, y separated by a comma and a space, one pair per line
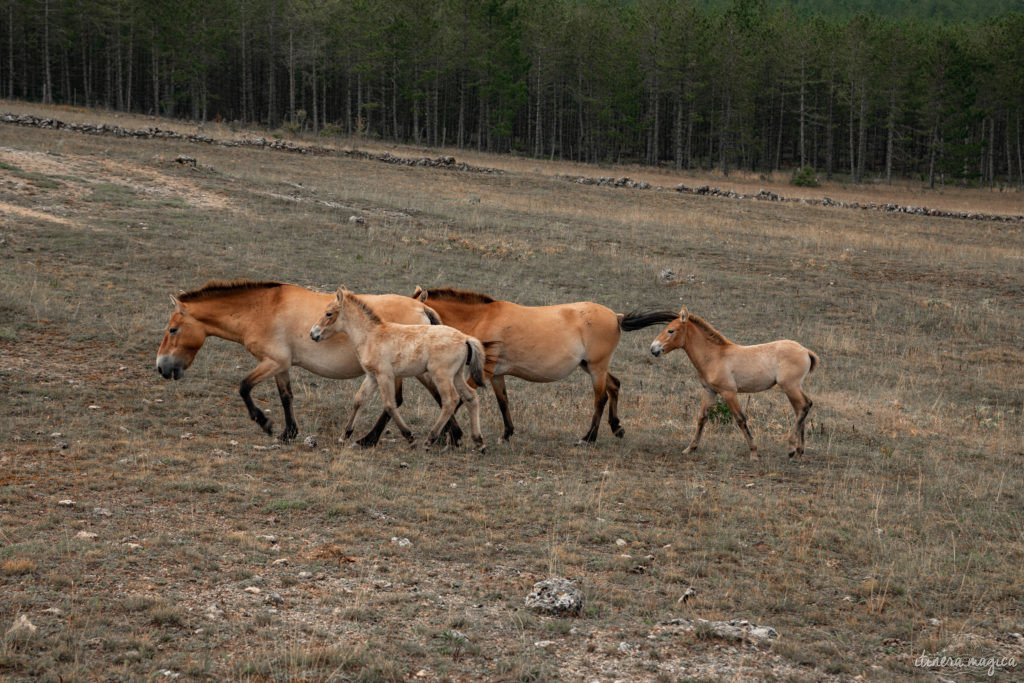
212, 551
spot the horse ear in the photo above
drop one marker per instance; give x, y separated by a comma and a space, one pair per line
176, 303
420, 294
341, 292
684, 314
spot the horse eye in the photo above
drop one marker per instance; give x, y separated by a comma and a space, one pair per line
173, 330
330, 315
671, 331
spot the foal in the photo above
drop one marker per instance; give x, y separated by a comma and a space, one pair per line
728, 369
389, 350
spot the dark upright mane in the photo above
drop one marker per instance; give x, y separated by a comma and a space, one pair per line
462, 296
218, 288
711, 333
366, 310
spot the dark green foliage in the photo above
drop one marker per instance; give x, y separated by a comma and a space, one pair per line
859, 87
804, 177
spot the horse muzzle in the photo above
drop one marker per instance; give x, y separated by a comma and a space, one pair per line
656, 349
169, 368
316, 334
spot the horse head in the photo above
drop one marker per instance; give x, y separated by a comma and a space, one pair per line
671, 337
182, 340
327, 325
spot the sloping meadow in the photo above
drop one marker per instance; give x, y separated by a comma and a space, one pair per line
211, 550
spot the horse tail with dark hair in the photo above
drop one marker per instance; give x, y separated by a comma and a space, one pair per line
432, 316
637, 321
475, 360
814, 360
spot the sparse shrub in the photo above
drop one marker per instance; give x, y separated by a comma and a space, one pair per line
16, 566
720, 413
804, 177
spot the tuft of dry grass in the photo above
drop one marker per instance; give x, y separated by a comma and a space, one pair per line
228, 555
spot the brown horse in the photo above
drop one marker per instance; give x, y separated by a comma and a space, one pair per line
544, 343
271, 320
729, 369
390, 350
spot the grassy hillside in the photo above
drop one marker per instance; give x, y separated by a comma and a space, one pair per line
222, 554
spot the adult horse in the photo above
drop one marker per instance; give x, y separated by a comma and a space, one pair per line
729, 369
391, 350
271, 320
544, 343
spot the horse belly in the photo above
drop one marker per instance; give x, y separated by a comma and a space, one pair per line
334, 357
537, 365
755, 374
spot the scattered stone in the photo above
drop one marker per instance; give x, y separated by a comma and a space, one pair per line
310, 442
185, 160
21, 628
624, 647
55, 611
275, 598
555, 596
102, 512
186, 435
666, 275
305, 575
252, 589
67, 502
267, 538
401, 542
280, 561
359, 220
86, 535
620, 542
214, 612
132, 546
735, 629
690, 594
544, 643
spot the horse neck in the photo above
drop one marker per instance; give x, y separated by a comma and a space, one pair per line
219, 318
357, 325
454, 312
699, 346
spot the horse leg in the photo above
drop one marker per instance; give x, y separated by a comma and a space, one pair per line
613, 406
362, 395
498, 384
707, 401
801, 406
453, 429
599, 378
284, 390
386, 385
469, 396
449, 402
266, 368
370, 439
733, 401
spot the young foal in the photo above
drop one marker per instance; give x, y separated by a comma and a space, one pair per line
728, 369
390, 350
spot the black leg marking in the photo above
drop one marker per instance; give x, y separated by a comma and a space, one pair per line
255, 414
284, 389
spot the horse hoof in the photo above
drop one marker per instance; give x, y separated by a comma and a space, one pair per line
620, 432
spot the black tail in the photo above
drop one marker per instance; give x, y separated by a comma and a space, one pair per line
475, 360
638, 321
432, 316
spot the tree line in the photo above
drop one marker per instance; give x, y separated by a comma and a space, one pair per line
746, 84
